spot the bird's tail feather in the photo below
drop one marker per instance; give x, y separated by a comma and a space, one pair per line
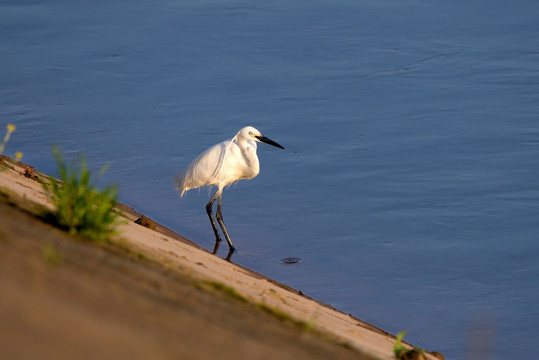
179, 183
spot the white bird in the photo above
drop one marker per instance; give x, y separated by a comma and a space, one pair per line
222, 165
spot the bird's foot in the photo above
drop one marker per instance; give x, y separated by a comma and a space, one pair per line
216, 247
230, 252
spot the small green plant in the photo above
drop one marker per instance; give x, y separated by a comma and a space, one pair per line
79, 206
398, 347
10, 129
403, 353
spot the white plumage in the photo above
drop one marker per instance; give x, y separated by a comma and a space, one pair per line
221, 165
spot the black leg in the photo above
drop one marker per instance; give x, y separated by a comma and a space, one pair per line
219, 217
209, 206
230, 252
216, 247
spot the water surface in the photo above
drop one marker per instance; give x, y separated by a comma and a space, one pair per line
409, 185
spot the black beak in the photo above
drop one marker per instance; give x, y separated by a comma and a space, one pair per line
268, 141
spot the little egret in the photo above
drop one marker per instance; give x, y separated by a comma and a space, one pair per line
221, 165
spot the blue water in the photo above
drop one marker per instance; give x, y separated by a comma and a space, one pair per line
409, 186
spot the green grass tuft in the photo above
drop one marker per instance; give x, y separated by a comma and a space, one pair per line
80, 207
403, 353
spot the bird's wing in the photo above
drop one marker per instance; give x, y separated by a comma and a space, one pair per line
205, 170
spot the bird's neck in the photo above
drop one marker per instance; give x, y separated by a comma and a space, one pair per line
248, 152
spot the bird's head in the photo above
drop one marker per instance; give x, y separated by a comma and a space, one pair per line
250, 133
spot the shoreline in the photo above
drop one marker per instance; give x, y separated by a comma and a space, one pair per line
175, 254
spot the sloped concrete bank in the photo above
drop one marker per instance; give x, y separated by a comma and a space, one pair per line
151, 294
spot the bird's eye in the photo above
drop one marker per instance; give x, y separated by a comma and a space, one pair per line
251, 133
